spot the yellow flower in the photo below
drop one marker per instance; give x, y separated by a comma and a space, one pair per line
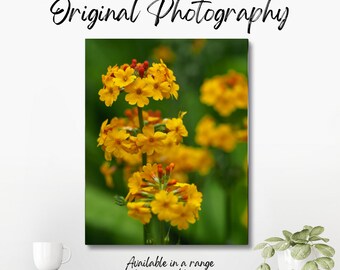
149, 172
102, 133
169, 200
110, 72
138, 93
109, 93
242, 135
176, 129
150, 141
225, 93
105, 128
107, 171
204, 131
226, 103
241, 96
158, 87
191, 196
184, 216
135, 183
172, 90
130, 145
139, 211
124, 77
224, 138
169, 75
108, 155
158, 71
132, 159
164, 205
194, 196
233, 78
162, 73
188, 159
174, 87
115, 142
211, 90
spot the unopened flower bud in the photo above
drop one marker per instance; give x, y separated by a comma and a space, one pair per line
169, 168
172, 182
160, 171
141, 72
184, 197
146, 65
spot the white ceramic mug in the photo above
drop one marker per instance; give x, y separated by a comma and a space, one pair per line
49, 255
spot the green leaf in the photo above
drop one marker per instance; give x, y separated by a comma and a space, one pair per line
260, 246
314, 238
274, 239
318, 238
287, 235
325, 250
307, 227
311, 265
119, 200
317, 230
325, 263
268, 252
263, 266
300, 251
300, 237
282, 245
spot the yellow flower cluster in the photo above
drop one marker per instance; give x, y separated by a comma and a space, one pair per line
222, 136
140, 83
166, 144
145, 138
122, 138
225, 93
187, 159
153, 191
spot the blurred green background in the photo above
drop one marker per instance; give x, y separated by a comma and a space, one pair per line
192, 61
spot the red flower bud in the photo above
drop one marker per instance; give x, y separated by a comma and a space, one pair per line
133, 63
172, 182
185, 197
128, 113
141, 72
169, 168
160, 171
146, 64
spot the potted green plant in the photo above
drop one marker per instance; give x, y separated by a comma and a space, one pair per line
302, 250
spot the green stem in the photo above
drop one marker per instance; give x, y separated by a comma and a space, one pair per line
155, 232
141, 125
149, 230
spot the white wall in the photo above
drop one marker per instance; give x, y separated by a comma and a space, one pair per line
295, 130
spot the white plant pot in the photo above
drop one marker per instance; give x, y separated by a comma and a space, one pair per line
287, 262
